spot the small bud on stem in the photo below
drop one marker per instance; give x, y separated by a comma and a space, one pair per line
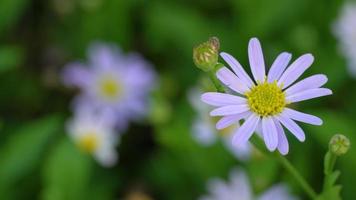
206, 55
339, 144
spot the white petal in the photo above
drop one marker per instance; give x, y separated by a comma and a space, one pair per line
231, 80
283, 146
269, 133
237, 68
222, 99
302, 117
309, 94
278, 66
244, 133
295, 70
229, 110
292, 127
230, 119
256, 59
311, 82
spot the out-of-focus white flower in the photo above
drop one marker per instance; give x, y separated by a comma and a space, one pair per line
93, 133
239, 189
112, 82
204, 131
345, 31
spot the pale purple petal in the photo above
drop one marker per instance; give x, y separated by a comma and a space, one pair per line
231, 80
244, 133
76, 75
256, 59
283, 146
203, 132
295, 70
309, 94
269, 133
311, 82
231, 119
229, 110
104, 56
292, 127
222, 99
302, 117
238, 69
217, 187
240, 184
241, 152
277, 192
278, 66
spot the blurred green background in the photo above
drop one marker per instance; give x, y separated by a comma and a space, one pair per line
157, 156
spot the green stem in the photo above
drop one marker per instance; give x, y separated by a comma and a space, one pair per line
294, 172
212, 76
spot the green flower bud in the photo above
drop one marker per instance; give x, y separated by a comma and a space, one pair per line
339, 144
206, 55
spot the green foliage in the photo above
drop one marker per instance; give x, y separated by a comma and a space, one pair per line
66, 173
23, 151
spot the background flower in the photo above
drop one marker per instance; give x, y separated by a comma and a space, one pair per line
112, 82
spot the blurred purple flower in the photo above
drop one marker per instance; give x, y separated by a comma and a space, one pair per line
345, 31
93, 133
262, 103
239, 188
112, 82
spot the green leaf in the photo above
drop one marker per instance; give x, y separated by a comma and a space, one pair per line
23, 150
66, 173
10, 11
10, 57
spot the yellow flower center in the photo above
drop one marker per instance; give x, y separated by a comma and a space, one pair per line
110, 88
266, 99
88, 143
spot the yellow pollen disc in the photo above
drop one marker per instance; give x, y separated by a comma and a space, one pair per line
88, 143
110, 88
266, 99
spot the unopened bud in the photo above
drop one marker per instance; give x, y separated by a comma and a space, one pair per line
339, 144
206, 55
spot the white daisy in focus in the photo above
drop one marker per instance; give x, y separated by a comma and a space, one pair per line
204, 130
239, 189
93, 134
263, 102
345, 31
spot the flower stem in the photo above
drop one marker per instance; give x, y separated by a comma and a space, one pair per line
212, 76
293, 171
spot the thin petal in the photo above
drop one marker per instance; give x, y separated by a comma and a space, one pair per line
222, 99
292, 127
230, 119
309, 94
302, 117
229, 110
296, 69
311, 82
256, 59
237, 68
278, 66
244, 133
76, 75
240, 183
269, 133
283, 146
231, 80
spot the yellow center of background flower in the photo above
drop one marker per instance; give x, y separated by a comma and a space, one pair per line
266, 99
110, 88
88, 143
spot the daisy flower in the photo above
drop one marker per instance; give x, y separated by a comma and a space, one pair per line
112, 82
94, 134
239, 188
262, 103
345, 31
204, 132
